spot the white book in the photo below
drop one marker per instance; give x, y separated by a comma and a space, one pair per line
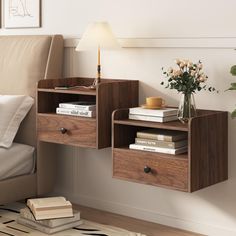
45, 229
84, 106
49, 208
153, 112
27, 214
162, 144
158, 149
46, 201
153, 118
75, 112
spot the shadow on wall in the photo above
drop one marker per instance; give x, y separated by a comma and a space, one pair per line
223, 195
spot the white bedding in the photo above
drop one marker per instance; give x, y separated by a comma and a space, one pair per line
17, 160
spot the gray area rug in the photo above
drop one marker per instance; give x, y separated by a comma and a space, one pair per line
9, 226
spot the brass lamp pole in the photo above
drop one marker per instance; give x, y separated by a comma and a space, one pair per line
98, 80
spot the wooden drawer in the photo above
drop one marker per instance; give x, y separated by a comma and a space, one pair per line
165, 171
79, 131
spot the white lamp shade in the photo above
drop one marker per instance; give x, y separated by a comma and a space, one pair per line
98, 34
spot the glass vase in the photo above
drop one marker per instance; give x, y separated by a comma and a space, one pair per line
187, 108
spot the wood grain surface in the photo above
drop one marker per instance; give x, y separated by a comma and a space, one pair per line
205, 164
165, 171
80, 131
109, 95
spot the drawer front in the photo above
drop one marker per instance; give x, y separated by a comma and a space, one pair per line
164, 171
67, 130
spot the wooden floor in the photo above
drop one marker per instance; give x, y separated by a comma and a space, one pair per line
140, 226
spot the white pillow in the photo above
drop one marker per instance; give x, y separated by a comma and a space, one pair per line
13, 109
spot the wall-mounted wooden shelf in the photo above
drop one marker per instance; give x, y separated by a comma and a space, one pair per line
80, 131
205, 164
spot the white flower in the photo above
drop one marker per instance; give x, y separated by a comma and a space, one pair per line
181, 65
190, 64
177, 73
202, 78
199, 66
170, 70
185, 62
177, 61
192, 73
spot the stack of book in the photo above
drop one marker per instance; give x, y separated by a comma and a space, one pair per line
49, 215
163, 141
80, 108
155, 115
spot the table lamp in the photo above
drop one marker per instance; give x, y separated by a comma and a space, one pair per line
98, 36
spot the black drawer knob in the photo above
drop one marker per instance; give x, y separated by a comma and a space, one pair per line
63, 130
147, 169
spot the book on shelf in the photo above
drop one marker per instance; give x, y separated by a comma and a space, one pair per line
153, 112
45, 229
162, 135
80, 105
153, 118
159, 149
27, 214
75, 112
49, 208
163, 144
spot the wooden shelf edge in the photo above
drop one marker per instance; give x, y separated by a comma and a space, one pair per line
172, 125
72, 145
66, 116
181, 157
82, 91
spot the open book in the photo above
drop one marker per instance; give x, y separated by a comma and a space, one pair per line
50, 208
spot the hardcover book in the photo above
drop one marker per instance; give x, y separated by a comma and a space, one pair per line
45, 229
75, 112
49, 208
84, 106
158, 149
153, 112
152, 118
162, 135
163, 144
27, 214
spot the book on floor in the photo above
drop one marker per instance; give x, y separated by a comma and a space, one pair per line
163, 144
27, 214
80, 105
153, 118
75, 112
49, 208
158, 149
162, 135
46, 229
153, 112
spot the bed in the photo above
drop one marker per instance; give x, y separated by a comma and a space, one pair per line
24, 60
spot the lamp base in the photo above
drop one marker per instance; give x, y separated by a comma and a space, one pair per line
95, 83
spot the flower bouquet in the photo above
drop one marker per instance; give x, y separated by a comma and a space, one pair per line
187, 78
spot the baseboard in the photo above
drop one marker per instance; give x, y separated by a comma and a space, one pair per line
122, 209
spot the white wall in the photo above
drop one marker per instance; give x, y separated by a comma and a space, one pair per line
85, 175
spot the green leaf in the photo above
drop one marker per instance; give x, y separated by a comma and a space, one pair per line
233, 114
233, 70
233, 87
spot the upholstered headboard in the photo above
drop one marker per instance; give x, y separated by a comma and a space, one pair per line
24, 60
